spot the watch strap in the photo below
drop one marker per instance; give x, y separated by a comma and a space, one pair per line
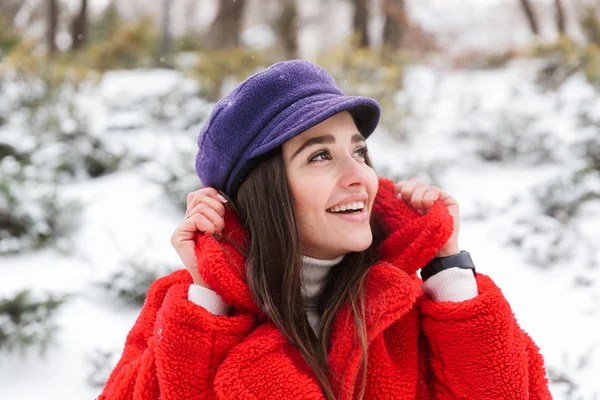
461, 260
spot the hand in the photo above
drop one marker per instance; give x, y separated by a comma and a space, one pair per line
421, 197
205, 213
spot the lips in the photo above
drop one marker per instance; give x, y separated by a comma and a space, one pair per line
354, 198
352, 207
355, 217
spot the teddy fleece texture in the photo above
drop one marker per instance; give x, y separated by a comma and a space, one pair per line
418, 348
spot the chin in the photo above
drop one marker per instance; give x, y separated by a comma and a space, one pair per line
335, 244
359, 244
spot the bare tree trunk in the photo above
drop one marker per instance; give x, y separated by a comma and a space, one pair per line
287, 27
52, 24
166, 27
225, 29
360, 22
9, 10
394, 24
191, 7
560, 17
531, 18
79, 27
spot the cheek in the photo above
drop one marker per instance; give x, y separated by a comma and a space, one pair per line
372, 181
309, 201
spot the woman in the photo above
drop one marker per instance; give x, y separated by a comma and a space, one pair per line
303, 285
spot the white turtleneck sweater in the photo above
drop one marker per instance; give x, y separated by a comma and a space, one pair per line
454, 284
313, 276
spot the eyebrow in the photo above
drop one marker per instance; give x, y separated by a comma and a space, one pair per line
328, 139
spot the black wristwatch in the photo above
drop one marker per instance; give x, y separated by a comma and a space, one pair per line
461, 260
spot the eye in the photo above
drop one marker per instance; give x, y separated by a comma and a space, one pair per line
321, 155
362, 152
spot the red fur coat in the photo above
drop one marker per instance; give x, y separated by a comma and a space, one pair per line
418, 348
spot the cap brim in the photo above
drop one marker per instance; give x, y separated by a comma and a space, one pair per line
302, 115
312, 110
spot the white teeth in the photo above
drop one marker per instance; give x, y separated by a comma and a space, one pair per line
351, 206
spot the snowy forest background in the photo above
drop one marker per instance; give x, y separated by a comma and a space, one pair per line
496, 101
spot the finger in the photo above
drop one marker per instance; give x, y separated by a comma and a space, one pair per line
398, 187
416, 199
216, 219
190, 197
431, 195
196, 222
180, 235
206, 191
215, 194
447, 199
408, 188
188, 229
209, 201
203, 224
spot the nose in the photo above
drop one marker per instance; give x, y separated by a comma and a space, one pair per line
352, 173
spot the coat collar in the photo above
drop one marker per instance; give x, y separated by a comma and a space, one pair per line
412, 240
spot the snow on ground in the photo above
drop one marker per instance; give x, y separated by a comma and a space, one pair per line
124, 216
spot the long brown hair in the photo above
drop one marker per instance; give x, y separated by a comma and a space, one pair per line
265, 206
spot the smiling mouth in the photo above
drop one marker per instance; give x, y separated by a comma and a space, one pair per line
352, 208
358, 216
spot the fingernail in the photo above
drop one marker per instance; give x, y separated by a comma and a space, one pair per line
223, 199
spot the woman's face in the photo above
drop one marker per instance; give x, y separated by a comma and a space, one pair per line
327, 173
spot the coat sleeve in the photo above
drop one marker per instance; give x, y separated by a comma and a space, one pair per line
478, 351
175, 347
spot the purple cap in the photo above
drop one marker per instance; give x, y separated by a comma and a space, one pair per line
266, 110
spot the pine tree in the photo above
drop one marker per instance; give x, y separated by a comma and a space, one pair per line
27, 322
